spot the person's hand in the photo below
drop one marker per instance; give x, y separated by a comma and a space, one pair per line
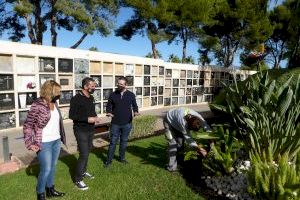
201, 151
207, 128
91, 120
97, 120
136, 114
109, 115
34, 148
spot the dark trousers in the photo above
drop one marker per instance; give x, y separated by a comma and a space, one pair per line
84, 138
122, 132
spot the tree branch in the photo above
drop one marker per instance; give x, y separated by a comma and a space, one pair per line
79, 41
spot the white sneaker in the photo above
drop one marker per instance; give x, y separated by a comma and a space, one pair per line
81, 185
88, 175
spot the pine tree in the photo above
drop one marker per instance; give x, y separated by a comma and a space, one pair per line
143, 22
87, 17
235, 25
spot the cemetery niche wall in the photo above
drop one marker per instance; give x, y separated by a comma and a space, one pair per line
25, 67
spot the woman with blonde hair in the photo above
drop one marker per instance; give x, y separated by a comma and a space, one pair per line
43, 133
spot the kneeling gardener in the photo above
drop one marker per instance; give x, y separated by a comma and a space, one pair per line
178, 123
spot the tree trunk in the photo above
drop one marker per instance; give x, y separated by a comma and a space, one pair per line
154, 50
232, 53
53, 24
38, 22
79, 41
185, 38
226, 53
31, 34
276, 64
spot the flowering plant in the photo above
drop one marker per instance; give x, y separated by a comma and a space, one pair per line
30, 85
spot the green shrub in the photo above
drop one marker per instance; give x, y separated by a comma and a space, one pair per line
143, 125
267, 114
285, 74
222, 156
269, 181
280, 75
201, 137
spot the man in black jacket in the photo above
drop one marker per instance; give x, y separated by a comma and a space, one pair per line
82, 112
120, 105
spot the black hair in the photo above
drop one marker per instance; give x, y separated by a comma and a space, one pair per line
194, 123
86, 81
123, 78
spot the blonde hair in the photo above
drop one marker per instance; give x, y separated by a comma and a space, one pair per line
49, 90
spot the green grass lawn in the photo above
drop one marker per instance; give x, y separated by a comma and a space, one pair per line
144, 178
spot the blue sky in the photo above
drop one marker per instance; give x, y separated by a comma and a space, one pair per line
137, 46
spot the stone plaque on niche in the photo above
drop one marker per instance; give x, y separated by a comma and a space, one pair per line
97, 95
147, 69
7, 120
6, 82
97, 80
47, 64
106, 93
81, 66
153, 101
7, 101
6, 63
160, 100
167, 101
65, 97
129, 70
46, 77
161, 70
22, 117
138, 91
65, 65
146, 91
78, 80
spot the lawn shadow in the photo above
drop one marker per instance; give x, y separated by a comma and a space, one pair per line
33, 168
155, 154
70, 161
101, 153
191, 171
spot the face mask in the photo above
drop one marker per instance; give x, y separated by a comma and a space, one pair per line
91, 91
54, 99
121, 88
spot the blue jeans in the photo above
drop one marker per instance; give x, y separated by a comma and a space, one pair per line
47, 157
122, 132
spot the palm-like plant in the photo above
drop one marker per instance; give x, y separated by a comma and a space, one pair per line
266, 114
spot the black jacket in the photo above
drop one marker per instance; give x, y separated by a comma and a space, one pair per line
81, 108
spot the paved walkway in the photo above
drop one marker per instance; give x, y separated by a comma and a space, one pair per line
18, 150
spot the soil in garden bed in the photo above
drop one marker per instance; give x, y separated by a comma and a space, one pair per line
191, 171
